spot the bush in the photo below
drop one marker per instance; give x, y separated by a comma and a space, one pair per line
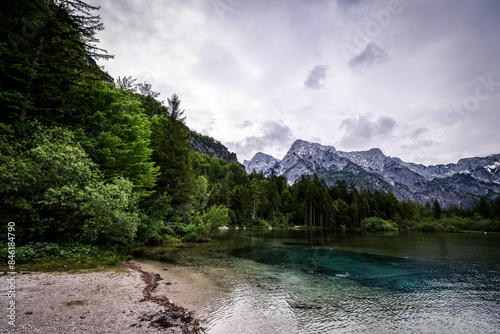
428, 226
36, 251
170, 239
378, 224
193, 237
259, 224
158, 220
57, 194
203, 226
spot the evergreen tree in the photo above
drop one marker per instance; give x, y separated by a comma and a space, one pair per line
45, 47
255, 193
172, 153
436, 209
483, 208
341, 213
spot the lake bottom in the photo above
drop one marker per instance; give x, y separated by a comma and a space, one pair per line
299, 282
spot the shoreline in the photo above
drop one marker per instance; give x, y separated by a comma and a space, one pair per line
184, 286
136, 300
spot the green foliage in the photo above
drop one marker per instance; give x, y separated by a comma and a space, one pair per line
201, 195
37, 251
377, 224
172, 153
203, 226
436, 209
452, 223
85, 160
258, 224
116, 134
111, 211
43, 256
55, 187
43, 50
341, 212
157, 220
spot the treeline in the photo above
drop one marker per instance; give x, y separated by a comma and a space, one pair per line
257, 201
87, 159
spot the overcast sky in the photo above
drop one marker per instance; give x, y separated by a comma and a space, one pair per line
419, 79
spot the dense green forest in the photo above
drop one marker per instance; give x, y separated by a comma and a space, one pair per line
91, 160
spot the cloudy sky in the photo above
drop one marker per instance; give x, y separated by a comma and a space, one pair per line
419, 79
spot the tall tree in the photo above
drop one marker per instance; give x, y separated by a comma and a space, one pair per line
45, 47
436, 209
172, 153
255, 193
117, 133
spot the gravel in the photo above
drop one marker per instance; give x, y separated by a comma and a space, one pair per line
88, 302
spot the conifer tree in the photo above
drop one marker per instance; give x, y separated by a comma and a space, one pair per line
436, 209
172, 153
45, 49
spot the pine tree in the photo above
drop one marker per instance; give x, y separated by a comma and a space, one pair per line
436, 209
45, 47
172, 153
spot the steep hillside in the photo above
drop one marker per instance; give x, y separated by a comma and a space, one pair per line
211, 147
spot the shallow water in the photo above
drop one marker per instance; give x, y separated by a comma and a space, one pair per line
323, 282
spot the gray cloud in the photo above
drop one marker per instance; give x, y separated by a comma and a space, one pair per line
346, 4
245, 124
418, 132
371, 55
272, 134
316, 77
263, 54
360, 131
417, 140
354, 9
317, 140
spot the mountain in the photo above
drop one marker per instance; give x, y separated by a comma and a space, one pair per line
459, 184
211, 147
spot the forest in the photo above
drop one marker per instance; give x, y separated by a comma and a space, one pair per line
86, 159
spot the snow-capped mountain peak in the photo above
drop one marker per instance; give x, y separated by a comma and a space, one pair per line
453, 184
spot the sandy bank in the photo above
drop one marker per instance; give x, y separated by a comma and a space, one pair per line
103, 302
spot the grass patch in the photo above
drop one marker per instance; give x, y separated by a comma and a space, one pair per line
49, 257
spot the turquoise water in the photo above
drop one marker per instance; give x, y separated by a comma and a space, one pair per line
322, 282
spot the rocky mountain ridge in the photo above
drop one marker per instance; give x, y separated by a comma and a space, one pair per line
211, 147
459, 184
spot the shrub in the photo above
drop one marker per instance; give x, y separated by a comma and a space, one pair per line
36, 251
259, 224
57, 193
203, 226
378, 224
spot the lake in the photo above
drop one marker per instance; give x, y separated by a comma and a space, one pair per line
294, 281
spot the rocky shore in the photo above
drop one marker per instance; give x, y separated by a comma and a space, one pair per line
94, 302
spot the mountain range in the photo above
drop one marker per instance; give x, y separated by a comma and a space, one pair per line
460, 184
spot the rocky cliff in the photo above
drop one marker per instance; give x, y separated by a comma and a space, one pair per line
211, 147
